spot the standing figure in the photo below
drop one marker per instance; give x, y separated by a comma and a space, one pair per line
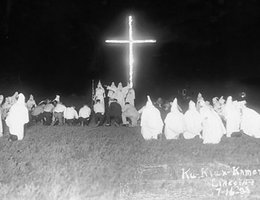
99, 110
151, 121
130, 96
17, 117
120, 94
111, 92
99, 93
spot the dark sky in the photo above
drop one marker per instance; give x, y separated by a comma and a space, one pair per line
58, 46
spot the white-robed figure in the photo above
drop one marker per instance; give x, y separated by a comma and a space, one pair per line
99, 93
174, 122
250, 121
30, 104
17, 117
193, 122
120, 93
130, 96
151, 121
111, 92
232, 117
212, 126
57, 98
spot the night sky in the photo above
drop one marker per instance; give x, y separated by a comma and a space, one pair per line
53, 47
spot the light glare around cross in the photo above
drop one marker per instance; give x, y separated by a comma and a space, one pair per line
130, 41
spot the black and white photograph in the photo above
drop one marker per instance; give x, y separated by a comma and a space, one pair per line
129, 100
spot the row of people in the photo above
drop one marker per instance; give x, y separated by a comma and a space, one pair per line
53, 112
210, 122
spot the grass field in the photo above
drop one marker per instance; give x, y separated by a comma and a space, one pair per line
78, 163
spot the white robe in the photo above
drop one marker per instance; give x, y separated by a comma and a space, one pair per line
250, 122
17, 117
84, 112
151, 122
100, 94
130, 96
174, 122
193, 122
70, 113
111, 91
232, 117
212, 126
120, 94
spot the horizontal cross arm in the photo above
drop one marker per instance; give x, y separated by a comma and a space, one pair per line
117, 41
144, 41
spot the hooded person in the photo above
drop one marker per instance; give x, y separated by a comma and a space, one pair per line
130, 96
212, 126
17, 117
174, 122
199, 100
111, 92
120, 94
130, 112
30, 104
232, 117
99, 93
57, 98
193, 122
250, 121
151, 121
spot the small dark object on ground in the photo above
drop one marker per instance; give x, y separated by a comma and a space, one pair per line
12, 138
236, 134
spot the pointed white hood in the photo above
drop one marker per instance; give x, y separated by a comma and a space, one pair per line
120, 86
174, 105
99, 84
21, 99
192, 105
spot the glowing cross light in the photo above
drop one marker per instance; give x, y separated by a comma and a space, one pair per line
130, 41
